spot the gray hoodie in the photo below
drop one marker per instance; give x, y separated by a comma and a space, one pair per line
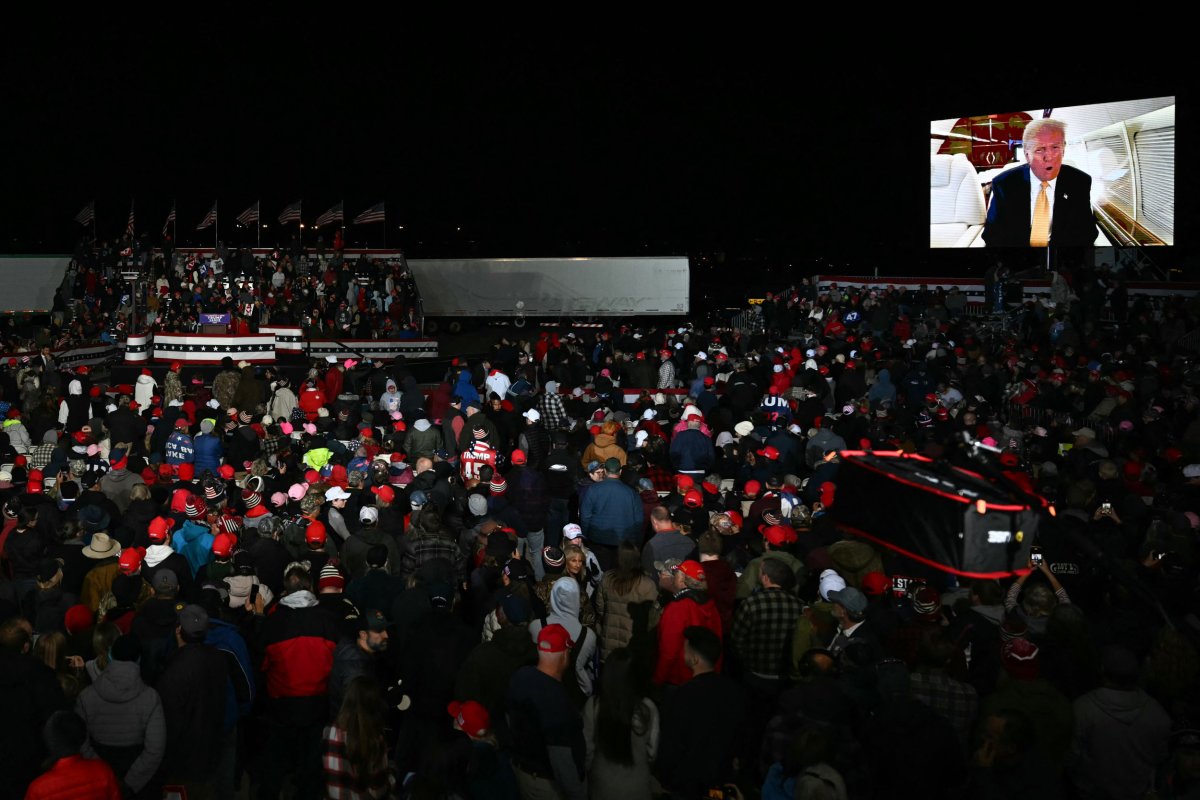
564, 610
122, 711
1120, 739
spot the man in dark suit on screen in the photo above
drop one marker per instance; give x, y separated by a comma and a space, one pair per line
1042, 202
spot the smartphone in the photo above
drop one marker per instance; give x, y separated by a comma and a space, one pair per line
1106, 508
1035, 555
253, 593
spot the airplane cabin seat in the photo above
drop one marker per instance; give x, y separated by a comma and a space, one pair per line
956, 206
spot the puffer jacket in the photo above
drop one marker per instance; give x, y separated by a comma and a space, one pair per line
18, 436
616, 622
208, 451
76, 776
853, 560
143, 390
123, 712
282, 403
604, 446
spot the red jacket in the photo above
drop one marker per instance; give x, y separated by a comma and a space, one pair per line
333, 382
680, 614
310, 400
76, 778
298, 641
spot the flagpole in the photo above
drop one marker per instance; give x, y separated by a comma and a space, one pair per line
174, 226
258, 225
216, 229
385, 225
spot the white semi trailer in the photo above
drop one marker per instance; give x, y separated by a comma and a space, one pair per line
566, 288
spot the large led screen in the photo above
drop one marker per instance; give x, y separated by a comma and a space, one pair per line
1076, 176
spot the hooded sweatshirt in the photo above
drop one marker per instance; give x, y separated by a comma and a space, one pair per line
564, 610
143, 390
465, 389
603, 447
1120, 738
75, 409
123, 712
194, 542
883, 391
390, 400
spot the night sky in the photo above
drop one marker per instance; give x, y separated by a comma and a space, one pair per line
765, 152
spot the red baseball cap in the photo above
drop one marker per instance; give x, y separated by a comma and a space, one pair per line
692, 569
385, 493
315, 532
131, 559
470, 717
752, 488
186, 471
770, 453
159, 528
554, 639
684, 482
518, 457
779, 535
693, 498
876, 583
223, 544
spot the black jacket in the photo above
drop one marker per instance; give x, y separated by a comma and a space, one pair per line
192, 689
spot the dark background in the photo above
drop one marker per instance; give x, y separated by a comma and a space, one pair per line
763, 160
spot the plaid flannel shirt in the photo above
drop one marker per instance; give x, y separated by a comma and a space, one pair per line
954, 701
339, 774
762, 628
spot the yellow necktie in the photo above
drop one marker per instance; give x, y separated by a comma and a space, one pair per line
1039, 233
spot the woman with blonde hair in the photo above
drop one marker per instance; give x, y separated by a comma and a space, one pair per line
51, 650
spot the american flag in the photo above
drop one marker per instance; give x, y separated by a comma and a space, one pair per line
249, 216
129, 224
170, 219
88, 215
209, 218
372, 214
332, 215
290, 214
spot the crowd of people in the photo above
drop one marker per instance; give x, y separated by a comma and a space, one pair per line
608, 566
324, 292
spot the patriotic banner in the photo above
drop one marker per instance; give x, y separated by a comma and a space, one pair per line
170, 219
373, 348
88, 214
87, 355
201, 349
249, 216
290, 214
129, 224
287, 339
372, 214
137, 348
215, 319
209, 218
332, 215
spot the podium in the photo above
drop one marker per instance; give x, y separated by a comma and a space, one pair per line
210, 328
